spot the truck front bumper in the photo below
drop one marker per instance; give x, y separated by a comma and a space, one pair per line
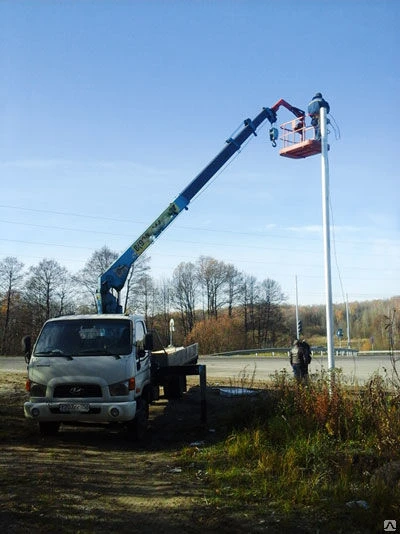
81, 411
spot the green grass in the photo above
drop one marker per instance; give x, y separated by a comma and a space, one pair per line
308, 452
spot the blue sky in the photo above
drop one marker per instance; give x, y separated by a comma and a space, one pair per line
110, 108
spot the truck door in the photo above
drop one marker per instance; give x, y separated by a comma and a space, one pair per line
142, 355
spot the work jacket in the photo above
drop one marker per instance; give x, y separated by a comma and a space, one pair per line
296, 355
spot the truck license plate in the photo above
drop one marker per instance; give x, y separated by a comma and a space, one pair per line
74, 408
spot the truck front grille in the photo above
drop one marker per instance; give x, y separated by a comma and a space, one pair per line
70, 391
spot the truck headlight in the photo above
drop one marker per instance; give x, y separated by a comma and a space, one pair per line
119, 389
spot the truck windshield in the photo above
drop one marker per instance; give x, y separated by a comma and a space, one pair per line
85, 337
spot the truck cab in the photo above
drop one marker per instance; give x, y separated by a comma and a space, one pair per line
90, 369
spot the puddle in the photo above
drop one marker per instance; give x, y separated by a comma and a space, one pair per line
236, 392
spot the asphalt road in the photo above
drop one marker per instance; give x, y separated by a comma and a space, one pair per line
354, 368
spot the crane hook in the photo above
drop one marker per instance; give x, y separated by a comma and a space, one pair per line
273, 136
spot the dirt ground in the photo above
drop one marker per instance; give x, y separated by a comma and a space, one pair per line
92, 480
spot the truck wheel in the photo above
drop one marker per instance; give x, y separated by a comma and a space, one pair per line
49, 428
137, 428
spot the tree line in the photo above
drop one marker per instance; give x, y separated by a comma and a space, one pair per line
210, 301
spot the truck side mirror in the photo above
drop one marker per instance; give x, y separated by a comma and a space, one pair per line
148, 341
26, 344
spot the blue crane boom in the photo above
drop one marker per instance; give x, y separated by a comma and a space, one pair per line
113, 279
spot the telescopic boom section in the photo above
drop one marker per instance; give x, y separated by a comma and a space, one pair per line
296, 111
113, 280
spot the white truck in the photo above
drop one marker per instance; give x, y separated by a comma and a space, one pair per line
101, 369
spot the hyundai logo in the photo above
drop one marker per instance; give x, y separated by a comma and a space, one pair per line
76, 390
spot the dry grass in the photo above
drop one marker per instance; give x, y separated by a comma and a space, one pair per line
290, 459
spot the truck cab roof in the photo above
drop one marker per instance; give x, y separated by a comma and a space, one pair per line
134, 317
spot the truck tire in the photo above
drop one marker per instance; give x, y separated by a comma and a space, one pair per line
174, 386
137, 428
48, 428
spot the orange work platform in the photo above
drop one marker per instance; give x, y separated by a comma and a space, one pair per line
302, 149
298, 140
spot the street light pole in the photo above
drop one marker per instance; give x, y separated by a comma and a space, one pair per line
326, 232
347, 322
171, 330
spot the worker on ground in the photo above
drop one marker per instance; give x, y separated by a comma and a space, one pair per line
306, 357
296, 355
314, 108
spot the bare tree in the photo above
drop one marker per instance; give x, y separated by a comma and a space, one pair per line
213, 277
248, 297
46, 290
269, 312
389, 327
143, 295
163, 308
234, 281
11, 277
136, 284
87, 278
184, 286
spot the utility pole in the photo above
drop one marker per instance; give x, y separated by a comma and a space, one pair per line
348, 322
326, 232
